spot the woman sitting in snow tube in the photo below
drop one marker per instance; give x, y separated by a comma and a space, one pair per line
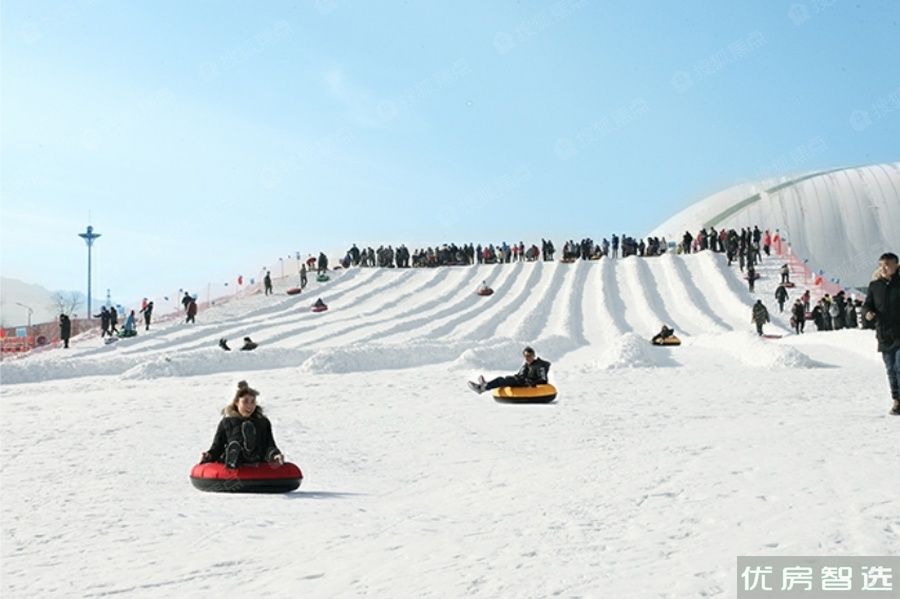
484, 290
319, 306
243, 456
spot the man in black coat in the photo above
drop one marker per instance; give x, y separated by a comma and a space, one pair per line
781, 296
882, 305
65, 329
533, 372
104, 322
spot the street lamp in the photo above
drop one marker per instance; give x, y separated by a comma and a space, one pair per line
89, 236
30, 312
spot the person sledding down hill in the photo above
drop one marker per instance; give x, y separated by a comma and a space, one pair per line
660, 337
244, 435
533, 372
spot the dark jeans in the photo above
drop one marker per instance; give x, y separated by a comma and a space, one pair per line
505, 381
759, 326
892, 364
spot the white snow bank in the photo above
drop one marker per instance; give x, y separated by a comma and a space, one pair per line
632, 351
213, 361
751, 350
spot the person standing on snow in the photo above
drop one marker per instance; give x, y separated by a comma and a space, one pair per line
113, 320
267, 283
323, 263
191, 311
798, 317
303, 276
760, 316
147, 311
104, 322
65, 330
781, 296
533, 373
882, 306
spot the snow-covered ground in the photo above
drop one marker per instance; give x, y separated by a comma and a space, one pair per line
655, 468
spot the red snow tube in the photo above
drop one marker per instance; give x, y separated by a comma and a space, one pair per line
319, 308
249, 478
294, 291
486, 292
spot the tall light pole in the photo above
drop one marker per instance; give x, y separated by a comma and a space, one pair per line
30, 312
89, 236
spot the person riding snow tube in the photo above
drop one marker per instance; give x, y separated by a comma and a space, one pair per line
665, 337
529, 385
484, 290
319, 306
243, 455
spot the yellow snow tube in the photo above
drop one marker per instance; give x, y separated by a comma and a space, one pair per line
537, 394
673, 340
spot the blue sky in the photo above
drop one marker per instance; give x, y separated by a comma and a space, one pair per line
205, 139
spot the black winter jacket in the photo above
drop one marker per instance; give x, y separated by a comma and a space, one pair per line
534, 373
884, 300
65, 327
230, 429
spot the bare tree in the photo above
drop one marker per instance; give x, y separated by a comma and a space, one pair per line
66, 302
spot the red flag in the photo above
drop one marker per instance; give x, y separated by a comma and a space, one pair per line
240, 279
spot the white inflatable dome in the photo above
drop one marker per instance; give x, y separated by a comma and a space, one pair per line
841, 220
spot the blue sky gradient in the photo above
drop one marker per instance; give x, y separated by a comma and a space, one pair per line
206, 138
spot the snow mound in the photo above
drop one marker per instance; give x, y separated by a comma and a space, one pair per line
751, 350
632, 351
214, 361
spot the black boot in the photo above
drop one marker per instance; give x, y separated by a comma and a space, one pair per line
232, 455
895, 411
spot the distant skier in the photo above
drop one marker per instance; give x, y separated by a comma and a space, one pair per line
533, 372
148, 313
882, 306
760, 316
65, 330
781, 296
267, 283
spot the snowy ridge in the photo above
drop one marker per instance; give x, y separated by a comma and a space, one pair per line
387, 319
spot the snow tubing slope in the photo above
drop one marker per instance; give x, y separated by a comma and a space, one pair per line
250, 478
536, 394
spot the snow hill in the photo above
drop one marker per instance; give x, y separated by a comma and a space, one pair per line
655, 468
840, 220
